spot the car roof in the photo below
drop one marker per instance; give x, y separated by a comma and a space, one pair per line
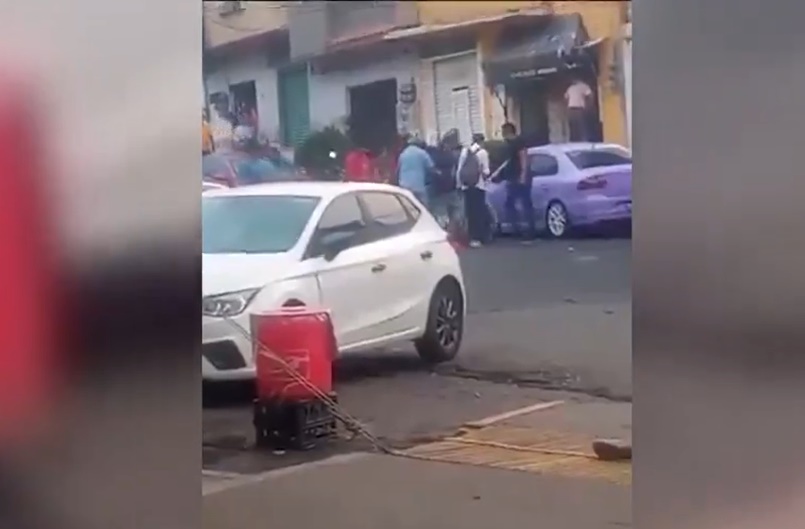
556, 148
323, 190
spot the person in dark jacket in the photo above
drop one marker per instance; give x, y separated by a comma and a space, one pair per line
445, 197
518, 184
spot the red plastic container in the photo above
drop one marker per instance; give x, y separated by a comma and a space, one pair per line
304, 339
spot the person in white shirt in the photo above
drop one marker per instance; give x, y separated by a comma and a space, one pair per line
472, 172
578, 98
222, 130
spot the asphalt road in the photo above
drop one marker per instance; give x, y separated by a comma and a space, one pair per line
550, 317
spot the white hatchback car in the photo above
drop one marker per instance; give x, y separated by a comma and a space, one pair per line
370, 253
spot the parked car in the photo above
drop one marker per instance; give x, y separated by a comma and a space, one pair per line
370, 253
229, 168
574, 185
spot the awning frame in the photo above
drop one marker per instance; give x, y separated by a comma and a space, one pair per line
541, 65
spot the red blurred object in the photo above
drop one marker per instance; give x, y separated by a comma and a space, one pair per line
304, 339
28, 274
358, 166
457, 236
593, 182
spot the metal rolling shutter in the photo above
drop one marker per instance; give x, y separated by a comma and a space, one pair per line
450, 76
294, 105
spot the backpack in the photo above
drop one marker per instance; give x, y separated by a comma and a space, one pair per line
470, 173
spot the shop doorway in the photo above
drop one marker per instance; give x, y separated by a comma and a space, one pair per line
594, 124
533, 104
373, 114
244, 93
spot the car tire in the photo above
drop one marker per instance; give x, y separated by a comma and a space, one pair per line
445, 326
557, 221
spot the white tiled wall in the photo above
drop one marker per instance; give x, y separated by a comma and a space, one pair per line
329, 92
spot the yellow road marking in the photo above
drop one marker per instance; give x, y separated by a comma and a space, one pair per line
526, 450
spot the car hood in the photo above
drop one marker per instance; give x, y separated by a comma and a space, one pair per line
224, 273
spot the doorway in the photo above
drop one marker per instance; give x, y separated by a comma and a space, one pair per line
244, 93
373, 114
534, 122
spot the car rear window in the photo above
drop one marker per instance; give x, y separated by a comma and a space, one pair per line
594, 158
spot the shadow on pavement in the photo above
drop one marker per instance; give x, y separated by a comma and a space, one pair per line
615, 231
349, 370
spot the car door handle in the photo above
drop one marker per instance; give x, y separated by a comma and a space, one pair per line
427, 255
378, 268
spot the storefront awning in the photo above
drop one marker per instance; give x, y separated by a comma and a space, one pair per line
559, 45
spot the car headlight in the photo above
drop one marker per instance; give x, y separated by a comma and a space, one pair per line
228, 305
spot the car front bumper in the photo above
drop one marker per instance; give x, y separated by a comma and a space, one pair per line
225, 353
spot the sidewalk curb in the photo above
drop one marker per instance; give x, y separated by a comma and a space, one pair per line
234, 480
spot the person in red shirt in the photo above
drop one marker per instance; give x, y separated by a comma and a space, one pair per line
358, 166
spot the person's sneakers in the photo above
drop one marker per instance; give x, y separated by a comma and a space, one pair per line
612, 450
475, 244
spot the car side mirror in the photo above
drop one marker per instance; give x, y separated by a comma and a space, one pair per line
334, 243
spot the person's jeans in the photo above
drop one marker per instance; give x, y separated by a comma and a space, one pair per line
448, 208
422, 196
518, 193
577, 120
476, 213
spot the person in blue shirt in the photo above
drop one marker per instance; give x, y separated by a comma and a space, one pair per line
252, 168
414, 168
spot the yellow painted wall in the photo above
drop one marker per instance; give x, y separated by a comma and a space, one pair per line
602, 19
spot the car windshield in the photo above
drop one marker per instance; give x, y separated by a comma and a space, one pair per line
594, 158
253, 224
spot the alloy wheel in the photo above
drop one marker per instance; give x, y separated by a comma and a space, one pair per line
448, 322
557, 219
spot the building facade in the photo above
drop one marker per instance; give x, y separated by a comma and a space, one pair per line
627, 74
244, 41
487, 26
382, 68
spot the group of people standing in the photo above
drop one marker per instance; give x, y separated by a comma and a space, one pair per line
451, 181
223, 127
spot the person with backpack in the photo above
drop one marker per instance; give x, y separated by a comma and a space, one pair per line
472, 172
444, 193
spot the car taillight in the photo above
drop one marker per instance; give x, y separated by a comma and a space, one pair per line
593, 182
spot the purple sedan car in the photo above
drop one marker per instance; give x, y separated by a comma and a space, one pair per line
574, 185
